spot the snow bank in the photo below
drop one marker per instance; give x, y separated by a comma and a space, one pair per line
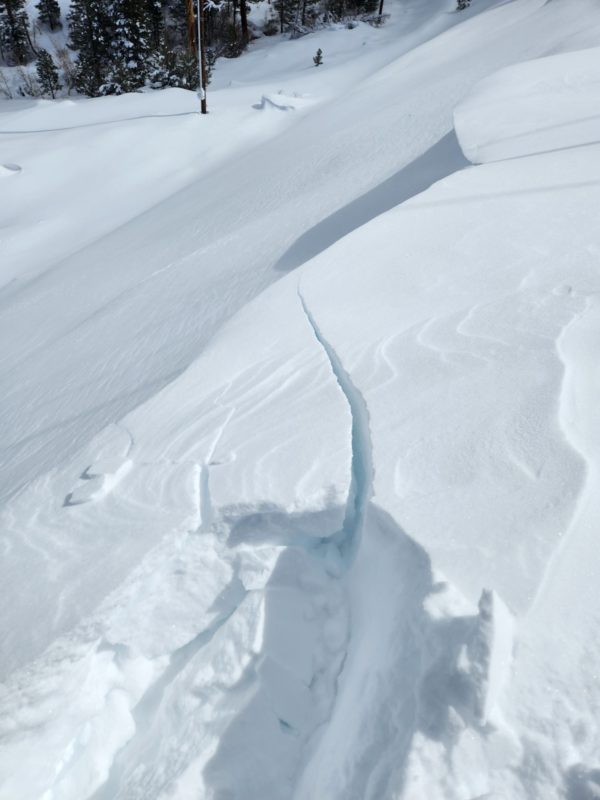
130, 242
471, 348
335, 557
536, 107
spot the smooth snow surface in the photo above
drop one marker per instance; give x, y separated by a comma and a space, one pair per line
537, 107
300, 458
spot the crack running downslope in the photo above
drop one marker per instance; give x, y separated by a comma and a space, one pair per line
362, 471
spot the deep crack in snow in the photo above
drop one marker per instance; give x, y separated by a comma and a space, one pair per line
361, 484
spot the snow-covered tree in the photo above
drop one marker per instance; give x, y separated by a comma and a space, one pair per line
462, 4
286, 11
15, 46
318, 58
343, 9
156, 21
49, 13
47, 73
173, 68
131, 46
91, 34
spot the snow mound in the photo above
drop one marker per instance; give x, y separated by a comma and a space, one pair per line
535, 107
335, 557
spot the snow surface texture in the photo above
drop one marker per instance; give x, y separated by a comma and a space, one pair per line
532, 108
351, 551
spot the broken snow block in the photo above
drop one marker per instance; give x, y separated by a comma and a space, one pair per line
486, 659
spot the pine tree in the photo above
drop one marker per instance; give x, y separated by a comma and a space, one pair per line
156, 21
47, 73
91, 34
307, 12
462, 4
131, 47
176, 23
286, 11
173, 68
49, 13
318, 58
14, 32
88, 75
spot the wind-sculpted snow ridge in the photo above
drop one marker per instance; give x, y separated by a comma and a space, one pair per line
537, 107
350, 553
117, 270
478, 375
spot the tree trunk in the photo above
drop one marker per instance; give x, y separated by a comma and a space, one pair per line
191, 26
244, 22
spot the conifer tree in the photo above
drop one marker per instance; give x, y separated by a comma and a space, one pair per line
131, 46
91, 32
286, 10
462, 4
49, 13
173, 68
156, 22
88, 75
318, 58
47, 73
14, 32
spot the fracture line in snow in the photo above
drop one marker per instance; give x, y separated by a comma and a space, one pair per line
361, 484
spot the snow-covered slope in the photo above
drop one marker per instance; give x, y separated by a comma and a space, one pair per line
165, 280
350, 552
539, 107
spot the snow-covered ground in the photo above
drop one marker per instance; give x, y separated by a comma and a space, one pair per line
300, 462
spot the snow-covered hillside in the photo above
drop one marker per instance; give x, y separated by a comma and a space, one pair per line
300, 457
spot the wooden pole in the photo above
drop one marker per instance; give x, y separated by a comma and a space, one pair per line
202, 55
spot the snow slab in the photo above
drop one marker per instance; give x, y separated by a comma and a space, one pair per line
130, 237
335, 557
472, 349
536, 107
220, 523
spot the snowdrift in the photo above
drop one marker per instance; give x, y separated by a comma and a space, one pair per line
536, 107
336, 557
